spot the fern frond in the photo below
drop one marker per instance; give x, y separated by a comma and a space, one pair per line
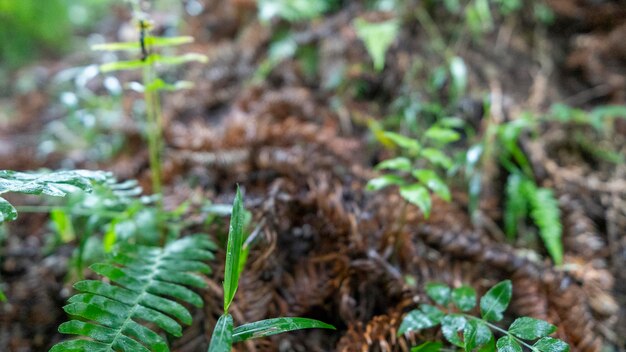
52, 183
547, 216
147, 285
516, 207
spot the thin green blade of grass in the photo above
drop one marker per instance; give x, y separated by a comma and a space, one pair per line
233, 251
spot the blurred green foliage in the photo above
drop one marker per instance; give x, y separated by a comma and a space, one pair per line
30, 28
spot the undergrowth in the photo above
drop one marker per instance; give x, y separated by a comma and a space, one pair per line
150, 271
470, 332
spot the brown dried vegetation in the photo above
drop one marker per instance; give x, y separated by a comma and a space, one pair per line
326, 248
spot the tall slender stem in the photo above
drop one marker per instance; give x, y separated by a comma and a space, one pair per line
153, 119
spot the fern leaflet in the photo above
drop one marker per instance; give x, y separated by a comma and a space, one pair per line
52, 183
547, 216
148, 283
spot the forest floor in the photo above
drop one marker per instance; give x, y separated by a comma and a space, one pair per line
328, 249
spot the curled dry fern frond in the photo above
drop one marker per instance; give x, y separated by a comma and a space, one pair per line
148, 283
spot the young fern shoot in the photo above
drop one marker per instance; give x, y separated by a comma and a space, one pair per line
151, 85
225, 333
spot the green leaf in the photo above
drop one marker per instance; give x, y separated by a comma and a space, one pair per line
428, 347
464, 298
180, 59
476, 334
426, 317
291, 10
547, 216
418, 195
458, 70
124, 65
399, 163
150, 41
377, 37
403, 142
7, 211
442, 135
222, 338
438, 292
451, 327
530, 328
233, 251
437, 157
63, 224
489, 346
508, 344
516, 207
3, 297
52, 183
381, 182
141, 279
151, 60
496, 300
81, 346
432, 181
276, 326
158, 85
549, 344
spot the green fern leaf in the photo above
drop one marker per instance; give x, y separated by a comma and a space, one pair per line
547, 216
147, 284
516, 207
52, 183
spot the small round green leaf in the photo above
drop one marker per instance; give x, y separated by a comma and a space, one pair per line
549, 344
432, 181
438, 292
427, 317
399, 163
428, 347
476, 334
464, 298
383, 181
418, 195
531, 328
442, 135
496, 300
403, 142
508, 344
437, 157
222, 338
7, 211
451, 326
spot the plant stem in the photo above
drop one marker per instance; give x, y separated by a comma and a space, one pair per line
499, 329
154, 121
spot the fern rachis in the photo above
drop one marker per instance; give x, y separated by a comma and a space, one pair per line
143, 276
